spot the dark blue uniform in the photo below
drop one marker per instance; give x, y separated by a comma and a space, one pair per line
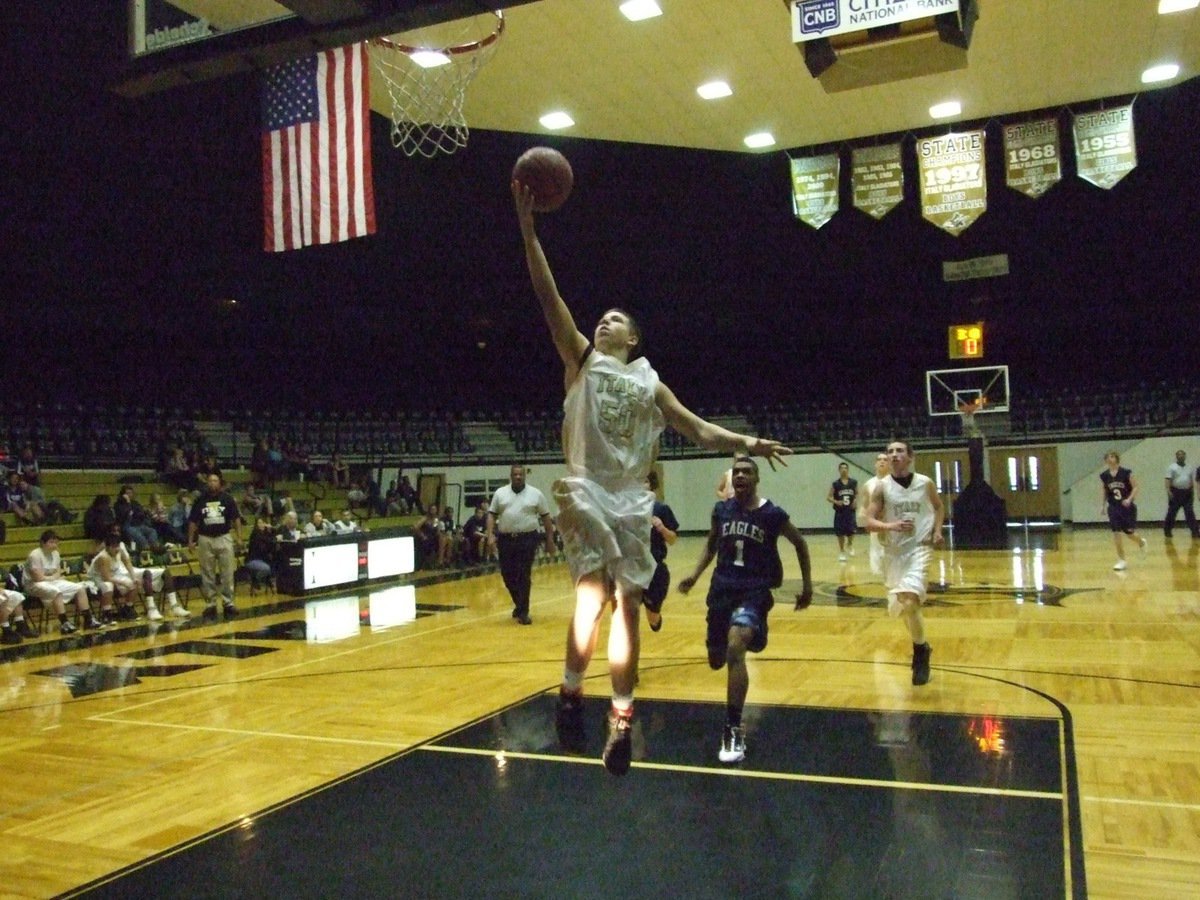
748, 566
660, 583
1117, 488
843, 510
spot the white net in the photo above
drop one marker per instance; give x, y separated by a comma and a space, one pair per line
427, 72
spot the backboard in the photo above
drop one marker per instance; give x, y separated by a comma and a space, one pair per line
948, 390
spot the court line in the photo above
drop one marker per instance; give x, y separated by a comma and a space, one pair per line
747, 773
1160, 804
249, 732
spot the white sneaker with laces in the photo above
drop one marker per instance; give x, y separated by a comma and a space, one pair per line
179, 612
733, 744
1119, 565
1142, 547
152, 613
841, 557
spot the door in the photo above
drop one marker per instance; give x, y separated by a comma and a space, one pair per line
1026, 479
949, 470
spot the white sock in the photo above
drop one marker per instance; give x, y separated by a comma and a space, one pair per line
572, 681
173, 598
623, 703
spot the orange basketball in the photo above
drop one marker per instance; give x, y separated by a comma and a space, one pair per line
548, 176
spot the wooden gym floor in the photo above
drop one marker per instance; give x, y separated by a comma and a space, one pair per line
1053, 753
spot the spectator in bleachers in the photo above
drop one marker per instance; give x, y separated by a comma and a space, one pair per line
43, 579
357, 495
408, 495
282, 505
261, 554
296, 460
260, 464
317, 526
207, 466
448, 538
135, 524
54, 511
178, 514
391, 501
426, 534
289, 527
27, 466
160, 520
178, 472
475, 548
17, 502
346, 524
98, 519
339, 471
253, 503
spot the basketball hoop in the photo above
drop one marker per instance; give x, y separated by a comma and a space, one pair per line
968, 410
427, 77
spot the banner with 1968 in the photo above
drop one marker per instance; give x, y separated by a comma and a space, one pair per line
877, 179
953, 179
1032, 156
1105, 151
815, 188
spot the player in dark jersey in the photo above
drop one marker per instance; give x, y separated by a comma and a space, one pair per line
842, 496
664, 531
1118, 492
743, 540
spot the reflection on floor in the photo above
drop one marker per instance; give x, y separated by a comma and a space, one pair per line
828, 803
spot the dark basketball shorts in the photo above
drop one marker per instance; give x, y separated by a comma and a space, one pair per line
1122, 518
843, 521
746, 609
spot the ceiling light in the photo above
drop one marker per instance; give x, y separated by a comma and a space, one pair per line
714, 89
1174, 6
429, 59
556, 120
636, 10
761, 139
1165, 72
945, 110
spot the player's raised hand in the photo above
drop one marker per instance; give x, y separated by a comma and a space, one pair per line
772, 451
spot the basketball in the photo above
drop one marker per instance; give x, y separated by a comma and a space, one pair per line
548, 176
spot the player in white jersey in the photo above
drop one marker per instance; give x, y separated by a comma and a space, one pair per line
614, 412
875, 539
113, 570
905, 508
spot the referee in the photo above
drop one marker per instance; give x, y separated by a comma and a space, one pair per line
514, 516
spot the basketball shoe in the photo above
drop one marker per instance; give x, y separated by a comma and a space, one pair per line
733, 744
618, 749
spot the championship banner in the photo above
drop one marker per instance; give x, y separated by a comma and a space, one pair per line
953, 180
815, 188
1105, 151
1032, 157
877, 179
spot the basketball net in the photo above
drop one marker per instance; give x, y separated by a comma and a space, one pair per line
967, 411
427, 99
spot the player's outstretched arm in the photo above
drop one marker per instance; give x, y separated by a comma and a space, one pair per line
714, 437
710, 552
804, 598
567, 338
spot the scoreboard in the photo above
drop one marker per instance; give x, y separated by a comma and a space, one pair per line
966, 341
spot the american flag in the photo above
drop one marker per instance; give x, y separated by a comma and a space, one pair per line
316, 147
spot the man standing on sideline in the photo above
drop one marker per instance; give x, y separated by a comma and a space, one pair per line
1181, 492
743, 539
841, 496
907, 510
874, 539
214, 515
516, 511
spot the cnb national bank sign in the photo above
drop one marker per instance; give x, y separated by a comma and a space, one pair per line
826, 18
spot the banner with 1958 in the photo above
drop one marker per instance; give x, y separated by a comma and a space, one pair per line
877, 179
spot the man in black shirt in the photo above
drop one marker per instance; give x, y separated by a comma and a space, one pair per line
214, 515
